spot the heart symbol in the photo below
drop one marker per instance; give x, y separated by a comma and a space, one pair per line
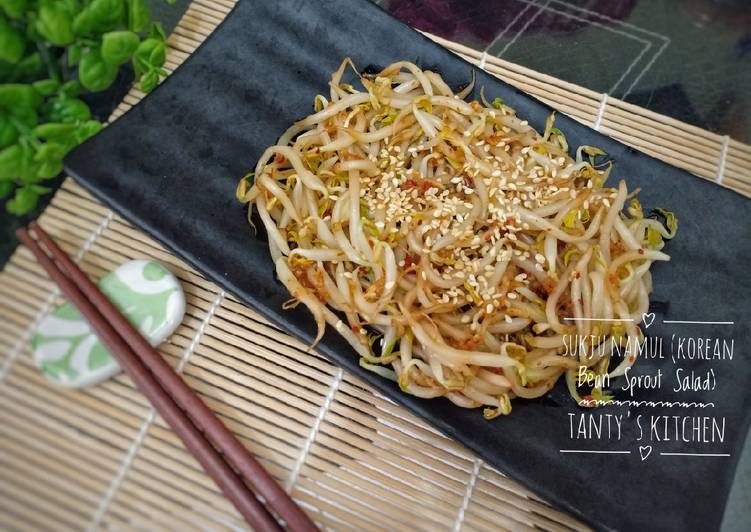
648, 319
645, 451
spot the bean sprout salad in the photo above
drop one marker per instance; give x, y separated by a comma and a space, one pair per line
453, 246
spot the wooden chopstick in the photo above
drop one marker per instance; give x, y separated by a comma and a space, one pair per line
169, 393
228, 481
205, 419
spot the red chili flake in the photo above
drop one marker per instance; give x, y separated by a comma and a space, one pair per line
356, 328
410, 183
641, 251
327, 212
578, 275
468, 181
427, 184
279, 159
409, 261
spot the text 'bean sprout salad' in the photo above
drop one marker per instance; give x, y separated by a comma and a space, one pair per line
453, 246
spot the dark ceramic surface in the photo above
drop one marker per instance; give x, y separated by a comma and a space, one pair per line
171, 165
689, 59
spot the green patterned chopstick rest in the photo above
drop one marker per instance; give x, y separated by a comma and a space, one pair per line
67, 350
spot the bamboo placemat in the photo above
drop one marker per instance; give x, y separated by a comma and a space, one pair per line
100, 458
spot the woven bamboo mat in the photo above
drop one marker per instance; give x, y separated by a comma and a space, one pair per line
100, 458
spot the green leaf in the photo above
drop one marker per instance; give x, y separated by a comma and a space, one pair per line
55, 23
25, 199
118, 46
8, 131
95, 73
73, 54
11, 161
84, 23
150, 80
26, 117
157, 32
6, 187
52, 130
50, 168
15, 95
46, 87
27, 69
158, 55
99, 16
87, 130
138, 15
50, 151
66, 110
497, 102
150, 53
29, 169
40, 189
13, 8
11, 42
74, 6
71, 88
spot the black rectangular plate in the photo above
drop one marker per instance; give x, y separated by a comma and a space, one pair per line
171, 165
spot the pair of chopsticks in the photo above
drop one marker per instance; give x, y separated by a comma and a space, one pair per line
222, 456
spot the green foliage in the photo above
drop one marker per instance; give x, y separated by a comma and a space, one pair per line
54, 22
13, 8
138, 15
51, 53
94, 72
118, 46
11, 42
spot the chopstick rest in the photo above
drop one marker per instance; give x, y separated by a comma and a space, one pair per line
69, 353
